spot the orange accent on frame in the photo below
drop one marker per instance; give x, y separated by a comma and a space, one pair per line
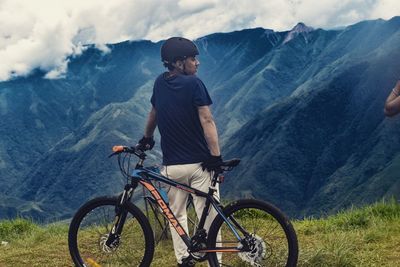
164, 208
220, 250
185, 189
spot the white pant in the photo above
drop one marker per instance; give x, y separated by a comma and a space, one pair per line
194, 176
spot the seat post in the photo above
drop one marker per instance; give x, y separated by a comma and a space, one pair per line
214, 179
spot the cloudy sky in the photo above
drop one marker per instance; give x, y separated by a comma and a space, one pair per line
43, 33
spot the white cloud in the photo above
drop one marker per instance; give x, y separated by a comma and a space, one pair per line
196, 6
386, 8
44, 33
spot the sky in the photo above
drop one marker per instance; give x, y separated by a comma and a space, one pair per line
45, 33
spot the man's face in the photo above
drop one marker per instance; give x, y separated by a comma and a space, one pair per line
191, 65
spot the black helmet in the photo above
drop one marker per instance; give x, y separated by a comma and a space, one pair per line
177, 48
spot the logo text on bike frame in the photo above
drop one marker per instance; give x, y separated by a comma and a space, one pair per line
164, 208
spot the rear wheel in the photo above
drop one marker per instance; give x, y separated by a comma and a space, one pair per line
270, 237
89, 239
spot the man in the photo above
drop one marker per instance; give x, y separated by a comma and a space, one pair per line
189, 139
392, 104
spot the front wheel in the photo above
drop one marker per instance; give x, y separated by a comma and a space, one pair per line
269, 237
92, 244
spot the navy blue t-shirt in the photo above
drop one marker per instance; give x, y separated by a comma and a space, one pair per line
176, 100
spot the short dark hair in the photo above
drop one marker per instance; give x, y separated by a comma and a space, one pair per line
169, 66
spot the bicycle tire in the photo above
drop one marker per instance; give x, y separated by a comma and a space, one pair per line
281, 238
87, 234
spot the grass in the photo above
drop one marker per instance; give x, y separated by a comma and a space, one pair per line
32, 245
368, 236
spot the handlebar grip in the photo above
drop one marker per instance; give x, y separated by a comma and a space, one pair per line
118, 148
130, 150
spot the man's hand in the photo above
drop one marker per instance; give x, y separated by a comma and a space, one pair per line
146, 143
213, 163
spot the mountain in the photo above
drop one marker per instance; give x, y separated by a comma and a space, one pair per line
39, 114
300, 29
328, 145
302, 108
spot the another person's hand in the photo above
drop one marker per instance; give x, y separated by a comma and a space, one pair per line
396, 89
213, 163
146, 143
398, 86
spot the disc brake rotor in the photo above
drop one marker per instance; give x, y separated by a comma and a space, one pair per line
257, 253
103, 244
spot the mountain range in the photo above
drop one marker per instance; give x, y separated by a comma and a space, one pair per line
303, 109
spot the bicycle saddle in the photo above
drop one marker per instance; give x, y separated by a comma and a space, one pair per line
230, 163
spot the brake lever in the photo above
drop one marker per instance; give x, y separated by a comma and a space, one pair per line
113, 154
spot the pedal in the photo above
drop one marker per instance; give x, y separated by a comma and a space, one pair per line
187, 262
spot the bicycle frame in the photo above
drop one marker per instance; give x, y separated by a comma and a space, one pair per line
143, 176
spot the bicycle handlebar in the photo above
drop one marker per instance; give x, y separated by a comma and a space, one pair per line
126, 149
225, 166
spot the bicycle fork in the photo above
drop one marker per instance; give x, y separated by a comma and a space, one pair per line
113, 237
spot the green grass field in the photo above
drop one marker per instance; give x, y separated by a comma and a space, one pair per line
368, 236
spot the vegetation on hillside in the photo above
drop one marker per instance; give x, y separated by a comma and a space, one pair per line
367, 236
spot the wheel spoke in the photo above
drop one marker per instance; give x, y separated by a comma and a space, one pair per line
90, 229
270, 240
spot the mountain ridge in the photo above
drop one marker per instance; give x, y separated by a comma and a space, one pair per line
305, 115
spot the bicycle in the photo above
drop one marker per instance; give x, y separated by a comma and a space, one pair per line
112, 231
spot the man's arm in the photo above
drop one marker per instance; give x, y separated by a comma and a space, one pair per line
151, 123
392, 104
210, 129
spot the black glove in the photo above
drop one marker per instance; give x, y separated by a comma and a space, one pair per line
146, 143
213, 163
